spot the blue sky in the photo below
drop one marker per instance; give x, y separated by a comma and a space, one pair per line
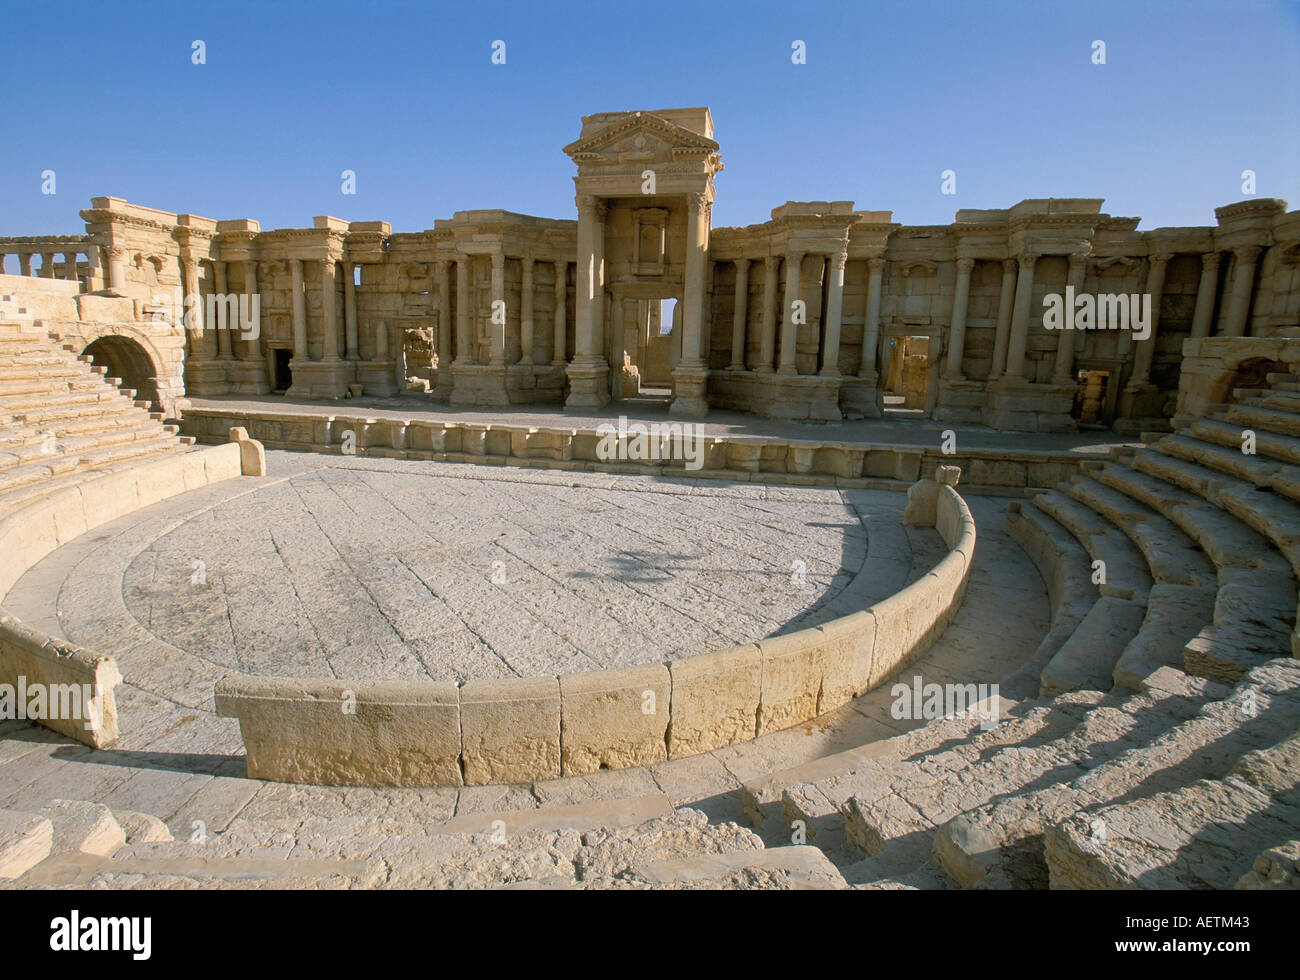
405, 94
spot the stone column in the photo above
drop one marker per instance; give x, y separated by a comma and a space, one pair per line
465, 353
871, 318
834, 311
790, 329
25, 263
526, 312
350, 310
254, 342
561, 296
1203, 317
693, 292
1243, 282
1019, 338
1146, 348
589, 293
497, 331
47, 265
443, 278
223, 311
767, 342
191, 313
299, 311
1003, 331
69, 265
328, 312
1063, 369
960, 296
381, 343
739, 316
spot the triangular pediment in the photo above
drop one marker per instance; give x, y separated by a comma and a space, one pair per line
641, 132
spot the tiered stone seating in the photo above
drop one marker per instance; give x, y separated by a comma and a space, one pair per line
60, 417
1168, 703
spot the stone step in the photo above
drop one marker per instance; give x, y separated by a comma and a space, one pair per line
1086, 661
14, 499
1255, 470
1067, 569
892, 804
79, 405
1277, 868
25, 841
1007, 835
19, 477
73, 425
48, 386
1274, 398
1263, 418
76, 445
1175, 615
1191, 837
1268, 445
761, 794
1172, 557
1127, 575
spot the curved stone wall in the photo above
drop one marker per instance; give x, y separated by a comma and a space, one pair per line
83, 680
525, 729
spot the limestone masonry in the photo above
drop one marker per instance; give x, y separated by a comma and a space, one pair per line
338, 557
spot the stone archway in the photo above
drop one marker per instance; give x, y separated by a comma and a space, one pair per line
128, 360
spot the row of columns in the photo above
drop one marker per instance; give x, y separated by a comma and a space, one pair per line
465, 343
1013, 317
832, 318
67, 269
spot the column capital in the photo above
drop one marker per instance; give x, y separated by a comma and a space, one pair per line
498, 259
793, 255
965, 264
875, 263
698, 201
1027, 259
1077, 260
742, 264
1008, 266
1210, 260
1247, 253
1160, 258
840, 257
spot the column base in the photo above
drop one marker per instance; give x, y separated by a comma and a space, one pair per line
377, 378
690, 391
1016, 405
479, 384
861, 397
206, 378
327, 380
1142, 409
588, 383
248, 377
960, 401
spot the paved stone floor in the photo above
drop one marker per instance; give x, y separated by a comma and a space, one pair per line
180, 762
364, 569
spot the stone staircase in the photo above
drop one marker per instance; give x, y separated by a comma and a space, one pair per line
1157, 745
60, 417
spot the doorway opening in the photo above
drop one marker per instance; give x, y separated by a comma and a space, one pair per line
907, 379
1090, 398
127, 361
283, 372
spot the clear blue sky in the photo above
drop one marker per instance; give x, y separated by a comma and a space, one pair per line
405, 94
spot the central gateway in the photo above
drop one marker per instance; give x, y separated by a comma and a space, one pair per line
644, 197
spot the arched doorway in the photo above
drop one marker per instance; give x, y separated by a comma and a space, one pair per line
126, 359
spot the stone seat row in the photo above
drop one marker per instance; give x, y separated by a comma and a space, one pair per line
63, 418
1131, 732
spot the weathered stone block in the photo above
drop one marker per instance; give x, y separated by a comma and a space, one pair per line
715, 700
510, 730
612, 719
